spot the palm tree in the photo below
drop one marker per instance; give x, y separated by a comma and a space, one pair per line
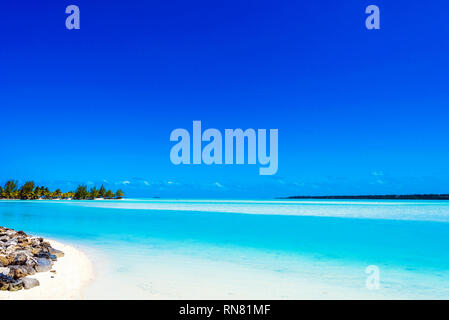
81, 193
37, 192
10, 191
68, 195
109, 194
46, 193
11, 188
102, 192
57, 194
119, 194
94, 193
26, 192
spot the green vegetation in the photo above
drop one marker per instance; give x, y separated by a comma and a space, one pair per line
29, 191
119, 194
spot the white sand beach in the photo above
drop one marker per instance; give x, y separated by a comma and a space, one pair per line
73, 273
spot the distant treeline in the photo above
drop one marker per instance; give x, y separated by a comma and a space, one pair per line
380, 197
29, 191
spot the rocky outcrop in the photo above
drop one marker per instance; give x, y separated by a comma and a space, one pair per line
22, 255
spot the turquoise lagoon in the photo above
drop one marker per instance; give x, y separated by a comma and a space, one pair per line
231, 249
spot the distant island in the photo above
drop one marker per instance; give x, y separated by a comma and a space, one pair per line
29, 191
378, 197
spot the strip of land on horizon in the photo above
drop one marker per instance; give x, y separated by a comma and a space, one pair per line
379, 197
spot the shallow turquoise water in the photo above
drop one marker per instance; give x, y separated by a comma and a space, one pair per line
407, 239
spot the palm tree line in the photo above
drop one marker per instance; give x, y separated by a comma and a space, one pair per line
29, 191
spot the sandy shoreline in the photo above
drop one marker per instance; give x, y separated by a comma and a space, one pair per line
74, 272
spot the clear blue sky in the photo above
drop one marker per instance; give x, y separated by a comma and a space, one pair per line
358, 111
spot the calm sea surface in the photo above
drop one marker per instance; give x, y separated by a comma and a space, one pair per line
330, 242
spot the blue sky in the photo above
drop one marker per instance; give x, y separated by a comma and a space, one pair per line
358, 111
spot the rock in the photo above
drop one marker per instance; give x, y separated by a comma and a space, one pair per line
16, 285
42, 265
29, 270
20, 258
10, 232
4, 270
29, 283
57, 253
31, 261
5, 281
17, 272
11, 248
45, 244
43, 254
4, 261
